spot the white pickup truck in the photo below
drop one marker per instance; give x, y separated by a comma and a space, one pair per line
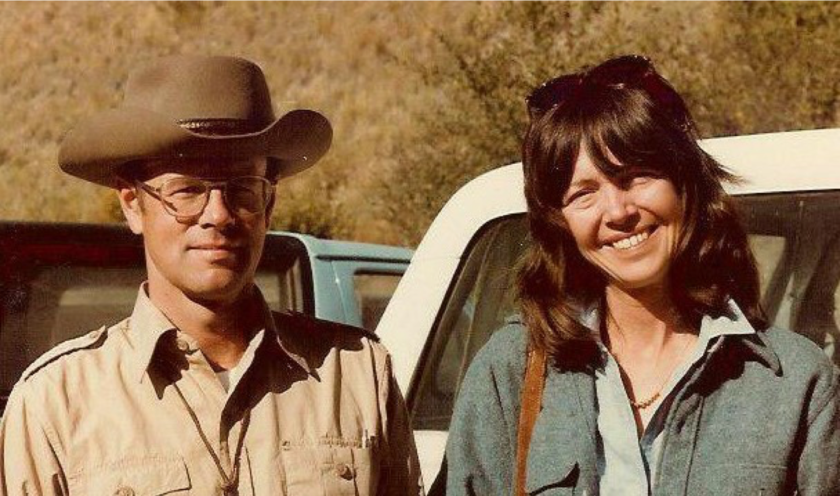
58, 281
459, 286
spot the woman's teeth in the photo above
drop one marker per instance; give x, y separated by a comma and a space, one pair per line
627, 243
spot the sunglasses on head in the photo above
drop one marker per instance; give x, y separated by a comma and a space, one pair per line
633, 71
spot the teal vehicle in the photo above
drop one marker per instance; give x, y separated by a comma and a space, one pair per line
351, 282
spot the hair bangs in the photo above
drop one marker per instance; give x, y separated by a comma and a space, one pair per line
623, 128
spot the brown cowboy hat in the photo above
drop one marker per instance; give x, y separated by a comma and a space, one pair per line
194, 106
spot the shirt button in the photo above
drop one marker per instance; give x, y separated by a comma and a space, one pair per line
124, 491
182, 345
344, 471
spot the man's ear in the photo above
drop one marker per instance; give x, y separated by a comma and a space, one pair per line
131, 207
270, 208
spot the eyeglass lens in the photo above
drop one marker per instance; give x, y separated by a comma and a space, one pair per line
188, 196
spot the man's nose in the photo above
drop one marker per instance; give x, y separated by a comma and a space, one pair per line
216, 212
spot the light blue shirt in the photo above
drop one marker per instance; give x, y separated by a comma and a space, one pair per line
627, 464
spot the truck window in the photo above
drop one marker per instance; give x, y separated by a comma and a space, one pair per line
795, 238
373, 291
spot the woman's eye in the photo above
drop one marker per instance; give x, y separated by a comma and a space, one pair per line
577, 196
639, 178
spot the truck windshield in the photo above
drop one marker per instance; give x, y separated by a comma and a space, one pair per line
795, 238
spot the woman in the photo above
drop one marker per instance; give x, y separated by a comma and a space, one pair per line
662, 375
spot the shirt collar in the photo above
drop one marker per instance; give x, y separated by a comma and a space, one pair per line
285, 340
733, 324
145, 328
147, 325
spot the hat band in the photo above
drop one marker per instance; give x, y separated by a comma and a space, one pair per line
221, 127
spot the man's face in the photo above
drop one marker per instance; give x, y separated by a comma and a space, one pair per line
209, 257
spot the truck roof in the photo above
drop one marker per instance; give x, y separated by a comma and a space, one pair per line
349, 250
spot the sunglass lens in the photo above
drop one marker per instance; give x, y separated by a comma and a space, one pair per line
628, 69
551, 93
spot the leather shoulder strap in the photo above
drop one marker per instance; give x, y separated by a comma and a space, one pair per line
530, 405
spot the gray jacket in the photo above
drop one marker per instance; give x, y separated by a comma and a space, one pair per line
760, 416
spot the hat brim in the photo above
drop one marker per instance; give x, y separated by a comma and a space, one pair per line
96, 149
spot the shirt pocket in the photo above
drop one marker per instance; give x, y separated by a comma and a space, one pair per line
149, 476
746, 479
328, 469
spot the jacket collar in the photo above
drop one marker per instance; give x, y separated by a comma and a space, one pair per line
147, 326
735, 328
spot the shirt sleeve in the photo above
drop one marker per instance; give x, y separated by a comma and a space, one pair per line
819, 472
29, 463
401, 475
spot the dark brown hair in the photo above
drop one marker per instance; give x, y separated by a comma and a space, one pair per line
712, 262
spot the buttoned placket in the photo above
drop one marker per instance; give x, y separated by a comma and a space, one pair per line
680, 429
219, 413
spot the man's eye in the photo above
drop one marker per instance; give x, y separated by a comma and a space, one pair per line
187, 190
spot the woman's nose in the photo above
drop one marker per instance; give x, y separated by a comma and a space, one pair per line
619, 206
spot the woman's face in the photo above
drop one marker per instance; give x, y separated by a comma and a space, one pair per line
627, 225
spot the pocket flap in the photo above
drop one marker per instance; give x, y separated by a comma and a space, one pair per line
135, 477
551, 476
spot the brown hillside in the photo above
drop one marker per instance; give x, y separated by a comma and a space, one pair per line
63, 61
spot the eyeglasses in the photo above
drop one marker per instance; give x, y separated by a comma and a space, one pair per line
634, 71
186, 197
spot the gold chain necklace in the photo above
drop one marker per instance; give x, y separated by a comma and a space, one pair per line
650, 400
645, 403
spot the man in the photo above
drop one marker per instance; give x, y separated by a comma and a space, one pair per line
203, 390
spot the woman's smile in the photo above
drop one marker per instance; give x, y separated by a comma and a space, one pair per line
631, 241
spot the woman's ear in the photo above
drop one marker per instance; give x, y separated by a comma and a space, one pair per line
132, 208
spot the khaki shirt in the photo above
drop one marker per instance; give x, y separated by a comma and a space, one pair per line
102, 415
